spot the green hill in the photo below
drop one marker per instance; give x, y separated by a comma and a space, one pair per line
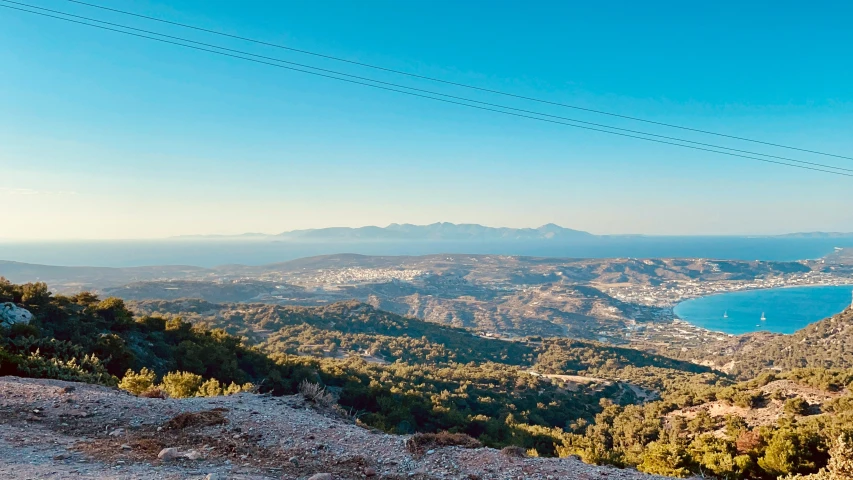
430, 377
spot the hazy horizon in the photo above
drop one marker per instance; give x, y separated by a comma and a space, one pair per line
250, 235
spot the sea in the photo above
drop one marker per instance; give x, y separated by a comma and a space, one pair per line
785, 310
209, 253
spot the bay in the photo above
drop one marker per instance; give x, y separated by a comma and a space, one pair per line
786, 309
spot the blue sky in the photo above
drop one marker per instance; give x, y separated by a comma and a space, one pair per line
108, 136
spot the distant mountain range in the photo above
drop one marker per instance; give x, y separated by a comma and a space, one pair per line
443, 231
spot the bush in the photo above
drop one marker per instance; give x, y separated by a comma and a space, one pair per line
137, 383
796, 406
210, 388
513, 451
841, 457
181, 384
784, 454
246, 387
313, 392
748, 399
665, 459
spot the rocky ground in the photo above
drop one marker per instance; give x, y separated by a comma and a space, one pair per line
60, 430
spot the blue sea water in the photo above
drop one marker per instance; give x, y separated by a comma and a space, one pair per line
208, 253
786, 309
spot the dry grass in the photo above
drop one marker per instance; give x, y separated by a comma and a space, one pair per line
513, 452
421, 442
204, 418
153, 393
318, 395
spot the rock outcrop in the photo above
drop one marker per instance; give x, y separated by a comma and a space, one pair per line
11, 314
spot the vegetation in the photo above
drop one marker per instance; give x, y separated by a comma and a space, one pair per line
680, 438
92, 340
402, 375
825, 345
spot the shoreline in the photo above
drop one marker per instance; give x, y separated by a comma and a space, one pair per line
681, 319
670, 294
747, 290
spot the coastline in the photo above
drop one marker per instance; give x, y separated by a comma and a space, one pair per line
670, 294
794, 316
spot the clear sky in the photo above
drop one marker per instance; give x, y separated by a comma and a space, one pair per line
108, 136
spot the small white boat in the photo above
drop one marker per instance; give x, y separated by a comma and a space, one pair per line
763, 318
726, 314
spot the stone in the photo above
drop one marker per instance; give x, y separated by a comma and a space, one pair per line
193, 455
211, 476
11, 314
369, 472
168, 454
117, 432
125, 446
294, 461
321, 476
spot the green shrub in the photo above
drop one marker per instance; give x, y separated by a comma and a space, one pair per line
210, 388
181, 384
137, 383
748, 399
665, 459
796, 406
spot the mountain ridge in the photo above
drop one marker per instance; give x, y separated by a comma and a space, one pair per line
449, 231
439, 231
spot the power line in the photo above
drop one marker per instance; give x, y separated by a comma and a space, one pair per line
433, 92
464, 85
426, 96
429, 97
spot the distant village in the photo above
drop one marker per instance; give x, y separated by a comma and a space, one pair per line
670, 293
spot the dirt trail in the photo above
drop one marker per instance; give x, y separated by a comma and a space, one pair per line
60, 430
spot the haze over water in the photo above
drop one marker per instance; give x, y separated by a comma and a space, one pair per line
786, 309
209, 253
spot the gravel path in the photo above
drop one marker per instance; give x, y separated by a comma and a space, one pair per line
63, 430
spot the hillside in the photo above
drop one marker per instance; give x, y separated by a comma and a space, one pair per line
400, 374
353, 328
550, 397
85, 431
824, 344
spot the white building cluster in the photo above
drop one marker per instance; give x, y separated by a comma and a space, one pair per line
670, 293
355, 275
